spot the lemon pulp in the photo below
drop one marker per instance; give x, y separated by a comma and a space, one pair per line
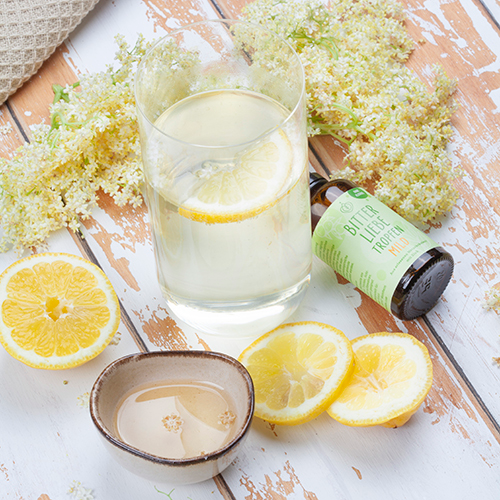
57, 310
237, 162
297, 370
245, 187
391, 378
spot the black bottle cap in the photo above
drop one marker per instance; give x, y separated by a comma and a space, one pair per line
426, 289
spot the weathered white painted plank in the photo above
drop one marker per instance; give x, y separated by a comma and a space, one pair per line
47, 440
467, 44
461, 37
450, 425
493, 8
334, 461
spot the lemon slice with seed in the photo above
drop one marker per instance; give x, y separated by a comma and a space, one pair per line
391, 379
238, 190
297, 370
56, 310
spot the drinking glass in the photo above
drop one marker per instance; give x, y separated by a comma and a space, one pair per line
222, 120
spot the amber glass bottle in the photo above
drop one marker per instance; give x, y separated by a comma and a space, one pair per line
377, 250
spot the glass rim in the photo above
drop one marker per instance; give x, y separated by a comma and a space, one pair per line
220, 21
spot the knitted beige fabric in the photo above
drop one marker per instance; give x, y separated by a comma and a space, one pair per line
30, 31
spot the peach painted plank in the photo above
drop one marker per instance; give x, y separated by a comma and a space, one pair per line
10, 136
447, 418
321, 458
31, 103
56, 432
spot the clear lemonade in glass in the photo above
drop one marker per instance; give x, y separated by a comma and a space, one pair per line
226, 178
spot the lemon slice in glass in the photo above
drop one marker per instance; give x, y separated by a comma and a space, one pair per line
56, 310
392, 377
243, 188
297, 370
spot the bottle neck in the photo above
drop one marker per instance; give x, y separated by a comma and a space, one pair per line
316, 182
323, 193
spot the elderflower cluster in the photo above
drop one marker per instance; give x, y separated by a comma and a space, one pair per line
492, 300
5, 129
360, 92
92, 143
84, 400
79, 492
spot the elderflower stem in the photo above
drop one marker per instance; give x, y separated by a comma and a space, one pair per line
329, 128
61, 93
62, 121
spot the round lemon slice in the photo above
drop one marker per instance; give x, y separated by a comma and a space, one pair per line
392, 377
297, 370
56, 310
233, 191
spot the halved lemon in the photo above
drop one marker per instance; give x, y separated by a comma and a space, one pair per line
56, 310
239, 189
297, 370
392, 377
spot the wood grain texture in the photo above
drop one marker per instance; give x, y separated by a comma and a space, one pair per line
450, 442
446, 399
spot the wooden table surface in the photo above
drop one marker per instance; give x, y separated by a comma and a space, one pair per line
450, 449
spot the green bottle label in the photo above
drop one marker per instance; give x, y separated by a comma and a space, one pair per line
368, 244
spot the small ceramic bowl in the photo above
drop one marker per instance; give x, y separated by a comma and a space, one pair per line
126, 373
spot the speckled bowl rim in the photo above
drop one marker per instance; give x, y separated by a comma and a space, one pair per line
215, 455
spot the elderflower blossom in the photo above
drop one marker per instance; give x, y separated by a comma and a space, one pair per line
492, 299
84, 400
79, 492
91, 144
360, 92
5, 129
